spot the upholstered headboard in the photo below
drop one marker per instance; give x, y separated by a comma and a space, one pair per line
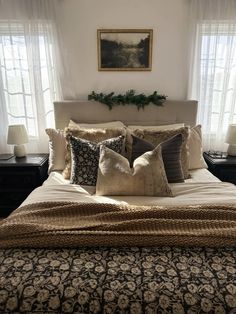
95, 112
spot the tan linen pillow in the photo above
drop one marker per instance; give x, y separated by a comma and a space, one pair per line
157, 137
194, 145
57, 149
92, 135
106, 125
109, 125
147, 177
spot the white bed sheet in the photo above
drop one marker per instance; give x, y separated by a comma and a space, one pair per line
202, 188
198, 175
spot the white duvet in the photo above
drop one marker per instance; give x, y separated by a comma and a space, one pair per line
202, 188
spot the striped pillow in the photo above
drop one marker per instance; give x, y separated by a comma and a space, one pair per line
157, 137
171, 155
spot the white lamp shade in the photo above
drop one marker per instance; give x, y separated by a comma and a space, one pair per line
231, 134
17, 134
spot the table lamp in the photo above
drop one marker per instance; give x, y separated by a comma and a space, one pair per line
17, 135
231, 139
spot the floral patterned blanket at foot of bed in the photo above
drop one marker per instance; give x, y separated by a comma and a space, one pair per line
118, 280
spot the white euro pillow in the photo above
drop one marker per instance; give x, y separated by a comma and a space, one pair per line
57, 149
194, 146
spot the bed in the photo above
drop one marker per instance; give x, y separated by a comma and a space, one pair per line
110, 271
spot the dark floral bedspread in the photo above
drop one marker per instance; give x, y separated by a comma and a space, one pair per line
118, 280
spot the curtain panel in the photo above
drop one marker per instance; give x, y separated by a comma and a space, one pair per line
213, 68
29, 69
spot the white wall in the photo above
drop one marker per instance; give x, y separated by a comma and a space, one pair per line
80, 20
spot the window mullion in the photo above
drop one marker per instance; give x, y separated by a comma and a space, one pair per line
23, 90
6, 78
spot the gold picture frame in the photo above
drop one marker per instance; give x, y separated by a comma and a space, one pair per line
124, 49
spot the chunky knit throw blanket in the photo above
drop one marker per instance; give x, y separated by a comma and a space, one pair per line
72, 224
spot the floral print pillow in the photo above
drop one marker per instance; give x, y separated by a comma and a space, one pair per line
85, 158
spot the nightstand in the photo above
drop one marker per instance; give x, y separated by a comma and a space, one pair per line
18, 178
222, 168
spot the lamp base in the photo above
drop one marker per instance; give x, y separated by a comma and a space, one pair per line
19, 150
232, 150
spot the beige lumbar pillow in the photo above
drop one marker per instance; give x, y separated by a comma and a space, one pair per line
147, 177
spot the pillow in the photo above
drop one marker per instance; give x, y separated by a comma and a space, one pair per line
57, 149
147, 177
171, 155
85, 158
196, 159
139, 147
156, 127
93, 135
132, 128
157, 137
111, 125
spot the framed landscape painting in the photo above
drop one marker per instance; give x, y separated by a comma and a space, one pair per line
124, 49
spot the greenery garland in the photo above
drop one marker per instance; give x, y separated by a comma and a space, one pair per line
139, 100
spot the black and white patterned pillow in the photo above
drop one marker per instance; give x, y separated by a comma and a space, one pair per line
85, 158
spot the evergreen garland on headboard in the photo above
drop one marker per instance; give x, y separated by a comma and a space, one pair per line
139, 100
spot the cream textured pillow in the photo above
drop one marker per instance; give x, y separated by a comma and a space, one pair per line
106, 125
147, 177
92, 135
157, 137
57, 149
110, 125
132, 128
194, 145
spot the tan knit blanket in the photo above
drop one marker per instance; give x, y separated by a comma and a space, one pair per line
72, 224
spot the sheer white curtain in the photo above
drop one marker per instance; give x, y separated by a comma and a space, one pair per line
213, 71
29, 58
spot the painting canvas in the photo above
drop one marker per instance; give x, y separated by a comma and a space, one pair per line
124, 50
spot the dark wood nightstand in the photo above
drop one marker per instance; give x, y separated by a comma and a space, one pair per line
18, 178
222, 168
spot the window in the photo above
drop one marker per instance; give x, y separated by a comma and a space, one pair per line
216, 80
28, 80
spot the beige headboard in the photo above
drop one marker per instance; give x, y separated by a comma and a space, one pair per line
95, 112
